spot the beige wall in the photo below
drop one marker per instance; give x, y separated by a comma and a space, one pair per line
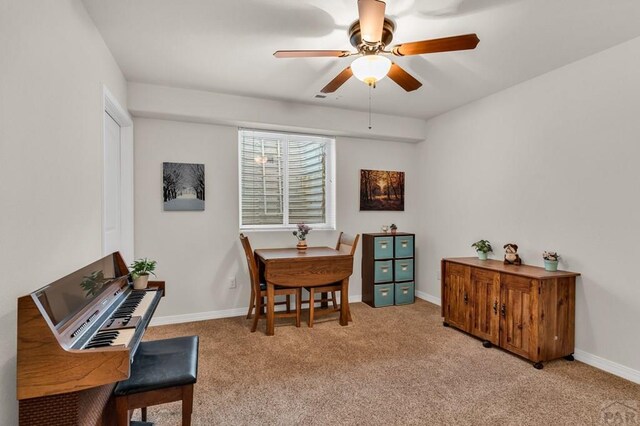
52, 67
551, 164
197, 252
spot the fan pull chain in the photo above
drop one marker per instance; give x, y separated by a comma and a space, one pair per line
370, 107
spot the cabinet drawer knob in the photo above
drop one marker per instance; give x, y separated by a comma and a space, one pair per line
503, 310
404, 266
385, 269
404, 243
383, 245
405, 290
384, 292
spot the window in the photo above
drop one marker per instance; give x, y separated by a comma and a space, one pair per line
286, 179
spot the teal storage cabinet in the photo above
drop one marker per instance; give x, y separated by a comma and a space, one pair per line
383, 271
404, 293
383, 294
404, 246
388, 269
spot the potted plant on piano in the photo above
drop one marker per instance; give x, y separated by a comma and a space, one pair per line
140, 270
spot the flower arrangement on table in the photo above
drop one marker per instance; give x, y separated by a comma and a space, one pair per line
550, 260
301, 235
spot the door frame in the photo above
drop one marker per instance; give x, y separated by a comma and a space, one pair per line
120, 115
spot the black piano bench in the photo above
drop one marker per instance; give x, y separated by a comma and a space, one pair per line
162, 371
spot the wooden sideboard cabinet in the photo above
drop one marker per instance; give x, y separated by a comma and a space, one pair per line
523, 309
388, 276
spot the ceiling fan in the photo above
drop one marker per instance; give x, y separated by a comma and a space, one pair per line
370, 35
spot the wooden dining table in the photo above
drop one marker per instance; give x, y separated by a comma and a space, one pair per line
315, 266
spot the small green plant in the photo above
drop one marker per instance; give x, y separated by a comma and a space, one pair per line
142, 267
393, 227
551, 256
482, 246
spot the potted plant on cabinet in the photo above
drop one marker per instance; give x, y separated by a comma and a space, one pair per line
550, 260
140, 270
482, 248
394, 228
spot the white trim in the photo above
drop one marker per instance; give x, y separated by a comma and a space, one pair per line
199, 316
590, 359
580, 355
330, 180
429, 298
111, 106
608, 366
226, 313
115, 110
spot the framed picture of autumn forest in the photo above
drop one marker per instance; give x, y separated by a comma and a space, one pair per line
381, 190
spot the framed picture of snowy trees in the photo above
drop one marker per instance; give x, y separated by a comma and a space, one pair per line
183, 186
381, 190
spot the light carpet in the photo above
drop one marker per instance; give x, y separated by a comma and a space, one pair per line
393, 365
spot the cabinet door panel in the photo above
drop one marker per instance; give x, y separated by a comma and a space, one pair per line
485, 301
516, 319
457, 289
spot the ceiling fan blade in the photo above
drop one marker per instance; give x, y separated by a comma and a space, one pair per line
403, 78
371, 16
447, 44
340, 79
311, 53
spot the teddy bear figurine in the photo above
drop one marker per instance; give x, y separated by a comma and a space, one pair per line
511, 254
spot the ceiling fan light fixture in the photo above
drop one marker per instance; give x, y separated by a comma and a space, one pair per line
371, 68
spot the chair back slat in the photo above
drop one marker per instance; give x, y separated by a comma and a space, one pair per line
251, 263
347, 243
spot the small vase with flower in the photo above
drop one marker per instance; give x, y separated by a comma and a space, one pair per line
301, 235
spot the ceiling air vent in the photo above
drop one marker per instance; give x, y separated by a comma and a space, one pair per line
321, 96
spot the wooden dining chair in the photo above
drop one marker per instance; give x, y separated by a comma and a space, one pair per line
346, 244
259, 291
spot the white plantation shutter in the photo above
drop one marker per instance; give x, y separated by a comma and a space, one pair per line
262, 184
285, 179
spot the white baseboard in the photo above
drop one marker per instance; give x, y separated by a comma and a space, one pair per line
582, 356
198, 316
428, 297
608, 366
226, 313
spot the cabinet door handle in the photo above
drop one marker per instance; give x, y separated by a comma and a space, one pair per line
466, 298
495, 307
503, 310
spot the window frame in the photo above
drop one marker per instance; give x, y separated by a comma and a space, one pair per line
330, 181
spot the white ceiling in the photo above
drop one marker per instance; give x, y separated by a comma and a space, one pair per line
227, 46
